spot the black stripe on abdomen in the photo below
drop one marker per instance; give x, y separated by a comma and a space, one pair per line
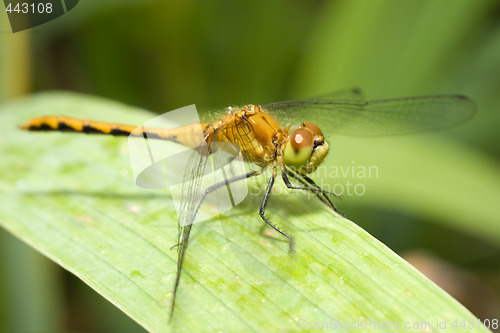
89, 129
118, 132
63, 127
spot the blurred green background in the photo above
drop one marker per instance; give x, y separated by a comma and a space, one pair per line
162, 55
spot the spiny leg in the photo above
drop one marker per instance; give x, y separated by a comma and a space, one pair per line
326, 202
187, 228
315, 189
338, 211
263, 209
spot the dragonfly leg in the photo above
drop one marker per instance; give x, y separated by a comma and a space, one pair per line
218, 185
315, 188
222, 183
263, 209
338, 211
297, 177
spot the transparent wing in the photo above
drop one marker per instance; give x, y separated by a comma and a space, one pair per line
377, 117
190, 197
191, 187
349, 94
208, 170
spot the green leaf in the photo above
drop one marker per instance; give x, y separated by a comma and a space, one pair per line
73, 198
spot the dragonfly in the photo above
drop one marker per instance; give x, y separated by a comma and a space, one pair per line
294, 147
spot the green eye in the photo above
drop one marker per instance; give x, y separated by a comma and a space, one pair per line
299, 149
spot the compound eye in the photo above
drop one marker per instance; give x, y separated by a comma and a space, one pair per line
299, 149
301, 139
313, 128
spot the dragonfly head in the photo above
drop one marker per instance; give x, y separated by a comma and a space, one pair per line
305, 148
